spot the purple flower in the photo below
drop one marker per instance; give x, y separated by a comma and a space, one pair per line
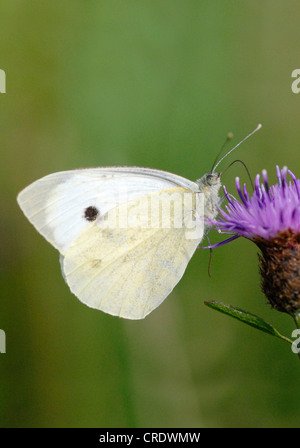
267, 212
270, 217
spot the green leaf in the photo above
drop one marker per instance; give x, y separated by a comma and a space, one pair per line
247, 318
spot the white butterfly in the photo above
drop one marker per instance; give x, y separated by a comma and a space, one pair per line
125, 234
124, 270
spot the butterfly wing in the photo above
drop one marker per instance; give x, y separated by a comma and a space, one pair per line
128, 272
62, 205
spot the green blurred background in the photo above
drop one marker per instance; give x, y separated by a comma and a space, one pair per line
157, 84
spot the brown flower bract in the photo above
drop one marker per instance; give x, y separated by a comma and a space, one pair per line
280, 270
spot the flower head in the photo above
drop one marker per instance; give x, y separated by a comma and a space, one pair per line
269, 211
270, 217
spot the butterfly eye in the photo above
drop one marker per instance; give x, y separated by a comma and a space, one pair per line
211, 179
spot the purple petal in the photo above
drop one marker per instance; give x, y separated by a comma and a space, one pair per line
270, 209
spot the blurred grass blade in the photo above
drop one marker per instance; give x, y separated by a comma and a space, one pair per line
247, 318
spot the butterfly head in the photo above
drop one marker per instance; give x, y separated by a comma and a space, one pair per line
208, 181
209, 185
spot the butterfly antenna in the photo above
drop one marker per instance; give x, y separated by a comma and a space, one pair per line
229, 137
242, 141
245, 166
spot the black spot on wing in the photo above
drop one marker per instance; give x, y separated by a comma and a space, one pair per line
91, 213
